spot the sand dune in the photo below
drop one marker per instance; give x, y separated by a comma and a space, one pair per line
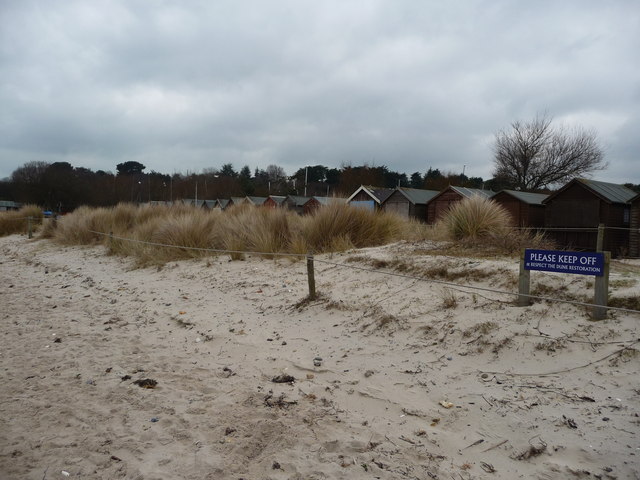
416, 380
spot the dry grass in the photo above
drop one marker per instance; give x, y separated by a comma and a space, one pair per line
444, 270
483, 328
338, 227
240, 229
449, 299
245, 228
480, 225
49, 226
632, 302
78, 228
474, 218
16, 221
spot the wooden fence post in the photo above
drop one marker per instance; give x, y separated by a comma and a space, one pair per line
601, 293
600, 241
310, 275
523, 283
29, 227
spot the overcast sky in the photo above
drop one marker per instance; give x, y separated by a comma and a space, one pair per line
188, 85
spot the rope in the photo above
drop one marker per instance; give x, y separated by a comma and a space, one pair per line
623, 228
364, 269
199, 249
25, 218
558, 229
483, 289
579, 229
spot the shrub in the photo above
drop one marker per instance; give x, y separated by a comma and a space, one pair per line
476, 217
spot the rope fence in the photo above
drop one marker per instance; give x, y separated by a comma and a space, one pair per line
575, 229
311, 273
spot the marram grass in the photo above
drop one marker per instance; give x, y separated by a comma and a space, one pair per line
333, 228
16, 221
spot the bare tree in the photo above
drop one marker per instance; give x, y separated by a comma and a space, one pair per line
534, 155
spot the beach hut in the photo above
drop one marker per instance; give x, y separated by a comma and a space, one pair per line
6, 205
369, 197
222, 203
315, 203
236, 201
409, 202
440, 204
295, 203
256, 201
573, 213
526, 209
274, 201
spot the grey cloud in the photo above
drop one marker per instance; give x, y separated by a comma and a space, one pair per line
191, 85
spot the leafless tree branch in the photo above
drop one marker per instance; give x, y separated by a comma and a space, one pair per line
534, 155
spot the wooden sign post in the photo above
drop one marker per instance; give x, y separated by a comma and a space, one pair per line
580, 263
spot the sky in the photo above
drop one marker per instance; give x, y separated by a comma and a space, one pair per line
189, 85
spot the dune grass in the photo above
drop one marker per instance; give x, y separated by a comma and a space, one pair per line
478, 223
16, 221
158, 234
338, 227
474, 218
240, 229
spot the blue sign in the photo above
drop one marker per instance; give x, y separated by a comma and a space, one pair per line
581, 263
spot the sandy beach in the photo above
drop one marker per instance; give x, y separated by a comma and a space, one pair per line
111, 372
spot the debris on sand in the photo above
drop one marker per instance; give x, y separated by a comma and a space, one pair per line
284, 378
279, 402
146, 383
532, 451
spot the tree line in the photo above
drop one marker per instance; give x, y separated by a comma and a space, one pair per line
62, 187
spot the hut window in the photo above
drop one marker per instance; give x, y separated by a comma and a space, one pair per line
626, 215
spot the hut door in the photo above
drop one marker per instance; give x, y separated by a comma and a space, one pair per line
400, 208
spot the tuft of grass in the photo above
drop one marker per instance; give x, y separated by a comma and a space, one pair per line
78, 227
49, 226
622, 283
632, 302
16, 221
551, 345
340, 226
483, 328
449, 299
474, 218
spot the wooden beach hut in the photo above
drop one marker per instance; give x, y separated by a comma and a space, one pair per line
440, 204
314, 203
409, 202
295, 203
526, 209
573, 213
369, 197
274, 201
